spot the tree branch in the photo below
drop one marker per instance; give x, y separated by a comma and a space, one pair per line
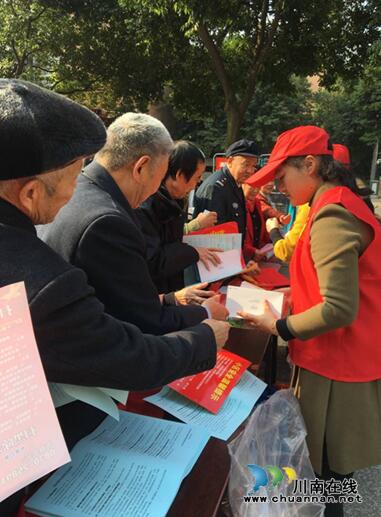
13, 45
217, 62
38, 15
82, 89
20, 65
261, 53
261, 34
43, 69
13, 9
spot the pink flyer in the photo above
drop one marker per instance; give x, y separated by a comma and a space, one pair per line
31, 441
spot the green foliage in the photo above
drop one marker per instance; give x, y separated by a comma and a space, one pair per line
27, 30
269, 114
352, 115
119, 55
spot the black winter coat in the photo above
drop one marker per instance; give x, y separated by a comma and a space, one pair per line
98, 232
77, 341
162, 222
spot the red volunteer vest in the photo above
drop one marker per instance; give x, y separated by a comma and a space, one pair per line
352, 353
248, 247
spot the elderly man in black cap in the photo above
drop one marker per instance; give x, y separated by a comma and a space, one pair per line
222, 191
44, 138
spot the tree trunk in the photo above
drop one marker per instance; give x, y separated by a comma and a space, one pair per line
234, 123
164, 112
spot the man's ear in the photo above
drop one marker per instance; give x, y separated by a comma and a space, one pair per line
139, 166
179, 175
30, 195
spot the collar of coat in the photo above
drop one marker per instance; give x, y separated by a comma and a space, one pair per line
235, 189
97, 174
165, 207
10, 215
230, 178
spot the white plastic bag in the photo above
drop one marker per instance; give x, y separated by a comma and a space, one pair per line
274, 441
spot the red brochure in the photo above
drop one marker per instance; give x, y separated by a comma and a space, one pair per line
211, 388
270, 278
231, 227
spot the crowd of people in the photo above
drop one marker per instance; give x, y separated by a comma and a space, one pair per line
100, 251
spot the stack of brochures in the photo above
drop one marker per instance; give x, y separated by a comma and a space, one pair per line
230, 416
132, 467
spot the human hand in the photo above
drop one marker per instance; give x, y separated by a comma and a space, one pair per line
272, 223
285, 218
206, 219
220, 330
265, 322
217, 311
259, 257
209, 256
194, 294
252, 268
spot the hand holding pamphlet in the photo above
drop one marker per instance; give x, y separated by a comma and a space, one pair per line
230, 265
251, 299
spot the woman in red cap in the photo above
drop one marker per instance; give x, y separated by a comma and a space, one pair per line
336, 311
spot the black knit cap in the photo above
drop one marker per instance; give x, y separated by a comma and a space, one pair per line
243, 148
41, 131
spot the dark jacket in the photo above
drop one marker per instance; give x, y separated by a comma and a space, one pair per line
97, 231
77, 341
162, 222
220, 193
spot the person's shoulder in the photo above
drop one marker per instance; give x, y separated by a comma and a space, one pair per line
148, 205
303, 210
216, 181
91, 199
88, 205
36, 263
158, 209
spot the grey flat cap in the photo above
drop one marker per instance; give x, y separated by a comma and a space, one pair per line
41, 131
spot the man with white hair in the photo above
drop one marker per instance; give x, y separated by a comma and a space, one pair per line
98, 230
44, 138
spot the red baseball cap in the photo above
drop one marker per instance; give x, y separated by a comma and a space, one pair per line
341, 154
299, 141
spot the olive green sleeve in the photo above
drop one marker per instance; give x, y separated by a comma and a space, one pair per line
192, 226
337, 240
